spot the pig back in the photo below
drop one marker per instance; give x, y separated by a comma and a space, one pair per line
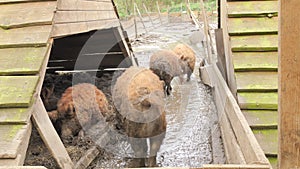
186, 54
167, 61
83, 100
138, 95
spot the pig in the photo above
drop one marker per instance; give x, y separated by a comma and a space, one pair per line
188, 58
80, 107
166, 65
138, 96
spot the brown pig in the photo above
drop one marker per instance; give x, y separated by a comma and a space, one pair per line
166, 65
81, 106
139, 97
187, 56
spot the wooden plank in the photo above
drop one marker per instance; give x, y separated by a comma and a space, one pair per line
19, 160
18, 61
254, 43
250, 148
258, 101
17, 91
50, 137
289, 92
268, 140
80, 5
234, 166
125, 46
252, 8
233, 152
249, 145
245, 138
11, 138
257, 81
227, 48
14, 115
27, 14
87, 158
18, 1
23, 167
83, 16
221, 63
248, 26
232, 149
261, 118
89, 62
25, 37
255, 61
60, 30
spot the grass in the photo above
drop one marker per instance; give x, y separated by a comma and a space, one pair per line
209, 6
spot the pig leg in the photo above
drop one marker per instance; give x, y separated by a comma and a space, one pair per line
168, 84
139, 146
155, 143
189, 73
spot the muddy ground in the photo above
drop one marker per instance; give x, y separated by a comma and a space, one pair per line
193, 136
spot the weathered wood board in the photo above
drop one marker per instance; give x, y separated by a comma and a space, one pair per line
23, 167
27, 14
252, 8
258, 100
17, 61
268, 140
17, 91
233, 152
289, 91
261, 118
255, 61
15, 115
244, 136
60, 30
250, 148
257, 81
248, 26
84, 16
254, 43
50, 136
88, 5
25, 37
11, 138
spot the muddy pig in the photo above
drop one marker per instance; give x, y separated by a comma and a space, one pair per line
166, 65
80, 107
139, 98
187, 56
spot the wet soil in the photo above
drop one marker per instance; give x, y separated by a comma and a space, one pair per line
193, 135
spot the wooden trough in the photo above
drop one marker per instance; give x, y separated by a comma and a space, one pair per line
49, 35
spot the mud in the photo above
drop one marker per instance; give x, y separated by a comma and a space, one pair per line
193, 136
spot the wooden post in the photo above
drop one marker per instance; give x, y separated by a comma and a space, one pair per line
49, 136
140, 16
289, 82
168, 10
158, 12
148, 14
135, 24
206, 28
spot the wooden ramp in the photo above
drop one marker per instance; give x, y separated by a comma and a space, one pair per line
27, 30
253, 27
24, 45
